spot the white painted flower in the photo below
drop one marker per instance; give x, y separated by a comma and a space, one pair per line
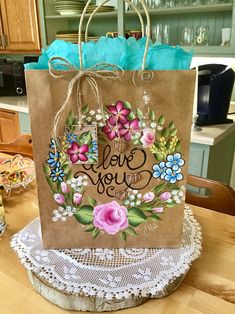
153, 125
135, 192
85, 177
139, 195
98, 111
126, 202
92, 112
85, 183
100, 124
132, 197
88, 119
138, 203
98, 117
159, 127
132, 203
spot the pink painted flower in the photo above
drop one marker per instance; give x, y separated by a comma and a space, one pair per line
64, 187
77, 152
148, 137
111, 217
77, 198
59, 198
119, 113
148, 197
130, 128
158, 209
165, 196
111, 130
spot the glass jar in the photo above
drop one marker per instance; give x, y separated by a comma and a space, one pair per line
202, 36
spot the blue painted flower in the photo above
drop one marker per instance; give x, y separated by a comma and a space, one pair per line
53, 159
174, 161
57, 174
173, 176
159, 170
52, 145
71, 137
94, 147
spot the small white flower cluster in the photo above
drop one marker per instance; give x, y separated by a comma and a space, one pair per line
178, 195
78, 183
150, 124
136, 138
94, 116
62, 213
133, 199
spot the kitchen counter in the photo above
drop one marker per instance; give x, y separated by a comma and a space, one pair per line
209, 135
16, 103
213, 134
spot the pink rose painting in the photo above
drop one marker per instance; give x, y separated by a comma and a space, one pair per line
148, 197
165, 196
110, 217
148, 137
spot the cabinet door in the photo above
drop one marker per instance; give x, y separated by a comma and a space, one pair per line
20, 24
9, 125
2, 47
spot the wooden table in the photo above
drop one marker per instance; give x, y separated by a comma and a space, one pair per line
208, 288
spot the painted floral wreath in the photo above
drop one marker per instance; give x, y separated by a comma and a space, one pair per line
121, 122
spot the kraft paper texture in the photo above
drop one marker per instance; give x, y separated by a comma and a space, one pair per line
172, 94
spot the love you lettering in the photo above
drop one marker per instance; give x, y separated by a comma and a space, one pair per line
107, 182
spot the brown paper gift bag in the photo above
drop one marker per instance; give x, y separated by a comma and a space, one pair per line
111, 175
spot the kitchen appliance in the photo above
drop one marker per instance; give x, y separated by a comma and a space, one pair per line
12, 81
215, 85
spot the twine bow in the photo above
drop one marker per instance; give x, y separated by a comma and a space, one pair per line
103, 70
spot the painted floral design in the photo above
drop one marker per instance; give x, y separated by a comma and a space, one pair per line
110, 217
77, 152
118, 113
119, 122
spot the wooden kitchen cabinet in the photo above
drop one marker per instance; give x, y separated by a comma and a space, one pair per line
20, 30
9, 125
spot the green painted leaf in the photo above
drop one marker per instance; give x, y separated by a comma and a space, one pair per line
90, 228
70, 119
85, 109
131, 116
152, 115
178, 146
165, 132
127, 105
135, 216
139, 113
158, 156
161, 120
69, 175
101, 140
85, 138
171, 204
46, 169
159, 188
155, 217
85, 215
91, 201
95, 233
131, 231
173, 132
171, 125
123, 235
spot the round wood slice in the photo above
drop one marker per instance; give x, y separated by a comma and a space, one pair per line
93, 304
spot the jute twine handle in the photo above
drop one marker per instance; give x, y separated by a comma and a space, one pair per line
81, 25
105, 1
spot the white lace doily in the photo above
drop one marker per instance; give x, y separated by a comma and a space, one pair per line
108, 273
